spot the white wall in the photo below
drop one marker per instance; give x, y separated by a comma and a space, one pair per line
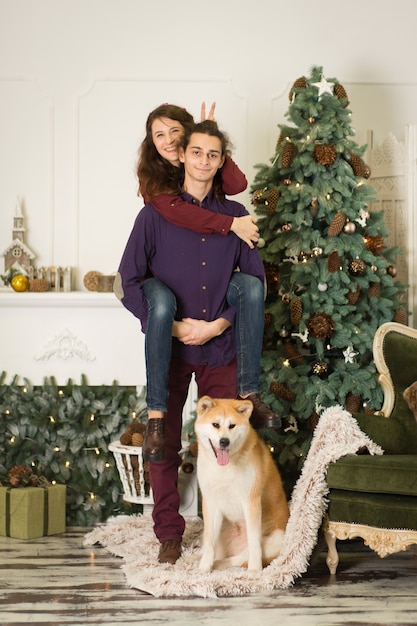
78, 78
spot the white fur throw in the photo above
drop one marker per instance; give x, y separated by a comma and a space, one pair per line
132, 538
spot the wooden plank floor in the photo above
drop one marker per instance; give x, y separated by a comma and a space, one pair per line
57, 581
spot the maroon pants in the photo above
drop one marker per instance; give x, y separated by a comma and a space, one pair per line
219, 382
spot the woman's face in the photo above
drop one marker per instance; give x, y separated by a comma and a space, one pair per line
166, 136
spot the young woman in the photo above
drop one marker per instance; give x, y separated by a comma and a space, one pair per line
159, 176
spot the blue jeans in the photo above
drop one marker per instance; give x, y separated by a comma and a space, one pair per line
245, 292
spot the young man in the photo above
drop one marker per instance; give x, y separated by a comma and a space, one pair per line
197, 269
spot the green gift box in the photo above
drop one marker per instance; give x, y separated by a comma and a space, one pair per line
30, 512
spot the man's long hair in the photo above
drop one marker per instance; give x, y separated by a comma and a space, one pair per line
209, 127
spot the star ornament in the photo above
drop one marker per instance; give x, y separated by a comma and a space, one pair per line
349, 354
323, 86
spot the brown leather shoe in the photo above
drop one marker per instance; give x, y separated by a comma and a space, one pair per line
154, 440
170, 551
262, 416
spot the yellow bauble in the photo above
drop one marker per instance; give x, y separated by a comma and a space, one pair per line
20, 282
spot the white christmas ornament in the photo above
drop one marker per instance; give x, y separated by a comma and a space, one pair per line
324, 86
349, 354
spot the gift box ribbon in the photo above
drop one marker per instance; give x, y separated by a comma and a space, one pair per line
45, 510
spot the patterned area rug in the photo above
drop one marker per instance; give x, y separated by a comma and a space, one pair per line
132, 538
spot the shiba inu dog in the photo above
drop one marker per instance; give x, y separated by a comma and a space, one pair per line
245, 509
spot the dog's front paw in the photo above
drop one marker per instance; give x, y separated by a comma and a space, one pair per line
255, 565
206, 565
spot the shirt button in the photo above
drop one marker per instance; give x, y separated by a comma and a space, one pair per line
203, 238
203, 263
204, 310
203, 287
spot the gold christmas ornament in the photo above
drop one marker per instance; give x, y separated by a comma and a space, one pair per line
286, 228
311, 120
287, 181
320, 325
337, 224
392, 270
316, 252
349, 228
320, 369
374, 244
357, 267
324, 153
257, 197
20, 282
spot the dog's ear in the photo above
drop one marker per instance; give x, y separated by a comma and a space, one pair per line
204, 404
245, 407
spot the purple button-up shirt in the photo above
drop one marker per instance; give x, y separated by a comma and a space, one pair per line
197, 268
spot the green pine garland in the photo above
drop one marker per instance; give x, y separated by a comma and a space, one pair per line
63, 433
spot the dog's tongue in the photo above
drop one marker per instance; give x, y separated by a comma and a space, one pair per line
222, 456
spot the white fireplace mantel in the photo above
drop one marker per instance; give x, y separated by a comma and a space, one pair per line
66, 335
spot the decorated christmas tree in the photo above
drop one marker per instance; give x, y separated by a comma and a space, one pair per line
330, 275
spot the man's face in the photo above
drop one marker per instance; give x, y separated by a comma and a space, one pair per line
166, 135
202, 157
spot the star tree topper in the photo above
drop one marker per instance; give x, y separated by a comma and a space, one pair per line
324, 86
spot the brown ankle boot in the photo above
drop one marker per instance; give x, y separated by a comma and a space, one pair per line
262, 416
154, 441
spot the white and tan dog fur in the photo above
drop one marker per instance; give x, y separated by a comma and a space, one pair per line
245, 509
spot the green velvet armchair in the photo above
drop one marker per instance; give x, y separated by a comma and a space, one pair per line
375, 497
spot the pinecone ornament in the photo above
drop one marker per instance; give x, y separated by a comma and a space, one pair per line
340, 92
333, 262
296, 310
282, 391
353, 296
324, 153
312, 421
374, 290
22, 476
38, 285
288, 153
293, 354
359, 166
300, 83
401, 316
352, 402
320, 325
271, 275
126, 439
337, 224
137, 439
272, 199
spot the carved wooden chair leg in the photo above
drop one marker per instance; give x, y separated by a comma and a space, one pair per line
332, 558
